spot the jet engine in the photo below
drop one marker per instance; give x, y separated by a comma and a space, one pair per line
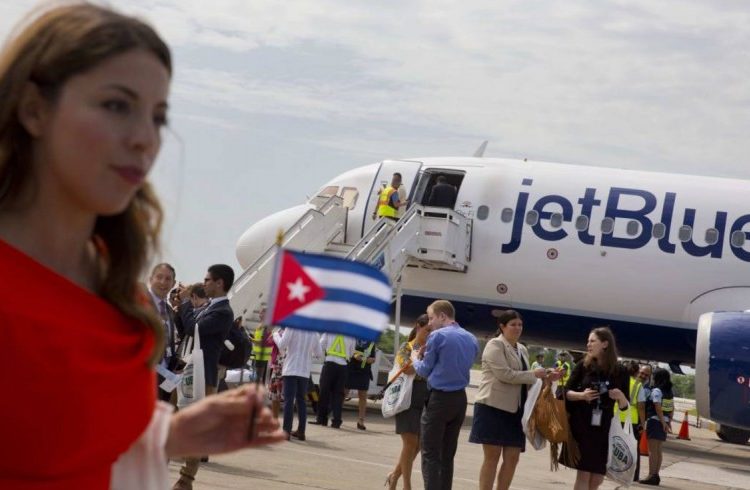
722, 373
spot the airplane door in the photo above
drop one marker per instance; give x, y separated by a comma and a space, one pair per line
409, 170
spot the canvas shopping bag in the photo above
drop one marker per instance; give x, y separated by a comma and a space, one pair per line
623, 450
535, 437
397, 396
193, 384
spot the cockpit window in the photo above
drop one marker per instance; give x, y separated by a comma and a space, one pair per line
329, 191
350, 195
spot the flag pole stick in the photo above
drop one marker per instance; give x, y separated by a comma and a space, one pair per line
252, 429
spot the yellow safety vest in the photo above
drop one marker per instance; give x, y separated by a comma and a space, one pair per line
635, 388
566, 369
384, 203
260, 352
337, 348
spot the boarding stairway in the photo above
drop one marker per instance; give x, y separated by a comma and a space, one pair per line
428, 237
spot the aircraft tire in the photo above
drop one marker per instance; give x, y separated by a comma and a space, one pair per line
733, 435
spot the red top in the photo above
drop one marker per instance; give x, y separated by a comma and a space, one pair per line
77, 387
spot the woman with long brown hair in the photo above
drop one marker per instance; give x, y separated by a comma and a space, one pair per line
408, 421
84, 99
595, 384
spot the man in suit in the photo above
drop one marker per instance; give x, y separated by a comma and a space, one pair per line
442, 195
160, 282
214, 323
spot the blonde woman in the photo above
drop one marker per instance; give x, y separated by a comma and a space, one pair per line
408, 422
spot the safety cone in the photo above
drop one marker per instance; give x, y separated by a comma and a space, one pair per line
643, 446
684, 429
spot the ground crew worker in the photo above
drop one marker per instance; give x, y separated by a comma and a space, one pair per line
262, 348
388, 201
539, 363
562, 362
637, 399
338, 350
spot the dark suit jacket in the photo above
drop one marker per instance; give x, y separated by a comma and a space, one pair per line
214, 324
171, 337
442, 195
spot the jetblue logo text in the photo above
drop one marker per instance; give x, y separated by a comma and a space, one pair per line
646, 216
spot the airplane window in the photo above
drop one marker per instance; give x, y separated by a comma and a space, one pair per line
483, 212
685, 233
506, 215
329, 191
712, 236
556, 220
532, 218
608, 226
659, 231
738, 238
582, 223
350, 195
633, 227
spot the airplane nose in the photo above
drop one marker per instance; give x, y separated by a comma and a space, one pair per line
260, 236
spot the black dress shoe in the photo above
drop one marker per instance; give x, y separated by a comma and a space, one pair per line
335, 425
298, 435
318, 422
204, 459
651, 480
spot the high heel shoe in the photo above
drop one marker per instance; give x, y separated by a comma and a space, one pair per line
388, 480
361, 425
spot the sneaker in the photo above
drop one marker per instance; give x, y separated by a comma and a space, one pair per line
298, 435
651, 480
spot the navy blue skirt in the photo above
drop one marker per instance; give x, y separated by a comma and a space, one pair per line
497, 427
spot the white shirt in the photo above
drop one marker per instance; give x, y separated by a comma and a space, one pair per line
299, 347
402, 199
326, 340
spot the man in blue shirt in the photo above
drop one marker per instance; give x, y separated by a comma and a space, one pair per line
445, 360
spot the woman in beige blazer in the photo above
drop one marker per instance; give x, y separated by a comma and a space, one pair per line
498, 407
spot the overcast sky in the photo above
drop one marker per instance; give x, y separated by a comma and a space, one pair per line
272, 99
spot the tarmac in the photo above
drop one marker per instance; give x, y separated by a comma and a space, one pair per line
348, 458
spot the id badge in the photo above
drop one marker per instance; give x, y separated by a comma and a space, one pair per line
596, 417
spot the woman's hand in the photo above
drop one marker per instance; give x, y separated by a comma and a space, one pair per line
554, 374
220, 424
619, 396
540, 373
589, 395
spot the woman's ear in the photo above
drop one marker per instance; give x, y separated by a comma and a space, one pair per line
33, 110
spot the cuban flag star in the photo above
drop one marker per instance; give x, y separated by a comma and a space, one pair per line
329, 294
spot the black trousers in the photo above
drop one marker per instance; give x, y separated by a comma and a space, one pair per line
441, 423
332, 382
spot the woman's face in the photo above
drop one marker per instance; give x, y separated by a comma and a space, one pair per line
422, 333
596, 347
96, 143
512, 330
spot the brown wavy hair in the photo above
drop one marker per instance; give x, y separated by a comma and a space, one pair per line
56, 45
608, 362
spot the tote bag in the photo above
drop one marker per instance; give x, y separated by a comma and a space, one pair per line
623, 449
397, 397
193, 384
535, 438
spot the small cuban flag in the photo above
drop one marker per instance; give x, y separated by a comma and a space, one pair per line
329, 294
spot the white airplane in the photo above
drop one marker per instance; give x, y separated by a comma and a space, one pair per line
570, 247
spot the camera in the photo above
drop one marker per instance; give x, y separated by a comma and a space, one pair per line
601, 387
